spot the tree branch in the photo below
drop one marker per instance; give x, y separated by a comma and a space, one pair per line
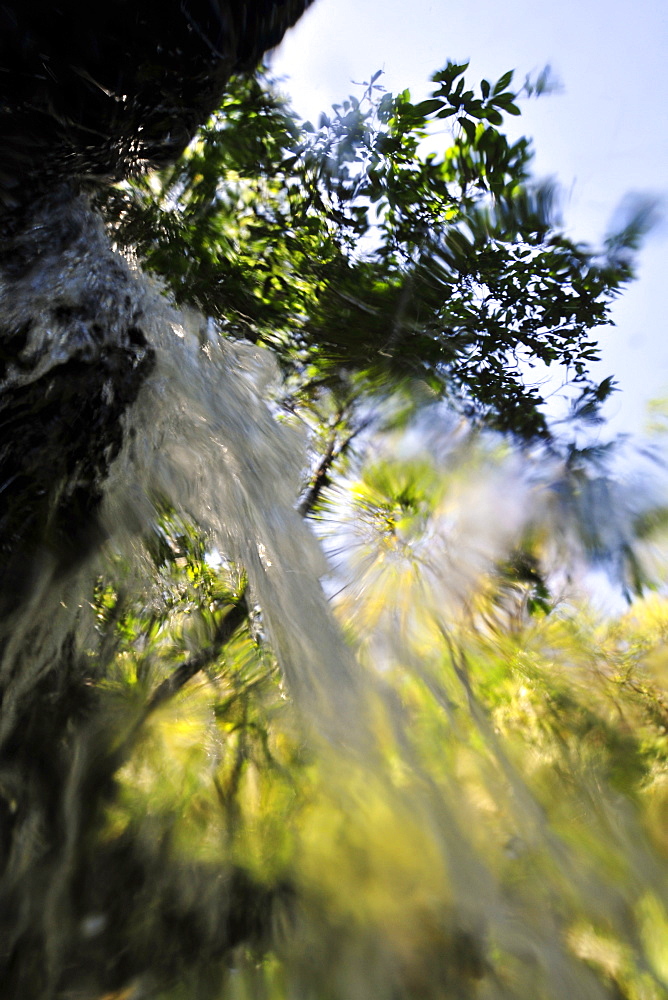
321, 476
228, 625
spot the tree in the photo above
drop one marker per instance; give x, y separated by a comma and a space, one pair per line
475, 815
373, 256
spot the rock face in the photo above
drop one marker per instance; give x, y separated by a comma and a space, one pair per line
89, 92
105, 89
73, 357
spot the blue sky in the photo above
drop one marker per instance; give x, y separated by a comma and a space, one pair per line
603, 136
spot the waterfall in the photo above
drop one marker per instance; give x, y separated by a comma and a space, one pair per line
113, 403
382, 792
134, 401
399, 868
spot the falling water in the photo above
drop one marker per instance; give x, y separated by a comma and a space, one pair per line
198, 436
424, 860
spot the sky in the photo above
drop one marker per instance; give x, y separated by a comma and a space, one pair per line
603, 136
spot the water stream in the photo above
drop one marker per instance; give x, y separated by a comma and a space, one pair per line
427, 859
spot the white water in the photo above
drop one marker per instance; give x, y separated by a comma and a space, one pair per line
208, 443
202, 437
207, 440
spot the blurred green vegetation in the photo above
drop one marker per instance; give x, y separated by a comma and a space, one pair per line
506, 836
501, 831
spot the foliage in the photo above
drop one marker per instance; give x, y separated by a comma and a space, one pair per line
507, 834
496, 828
365, 249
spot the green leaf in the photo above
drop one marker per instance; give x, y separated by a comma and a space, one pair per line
469, 127
449, 74
385, 107
503, 82
493, 116
427, 107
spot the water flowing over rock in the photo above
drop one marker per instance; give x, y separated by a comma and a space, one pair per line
377, 825
110, 403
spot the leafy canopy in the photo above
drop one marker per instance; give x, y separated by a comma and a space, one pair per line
369, 252
516, 803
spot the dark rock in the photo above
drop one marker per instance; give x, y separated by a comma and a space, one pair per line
104, 90
73, 358
88, 92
